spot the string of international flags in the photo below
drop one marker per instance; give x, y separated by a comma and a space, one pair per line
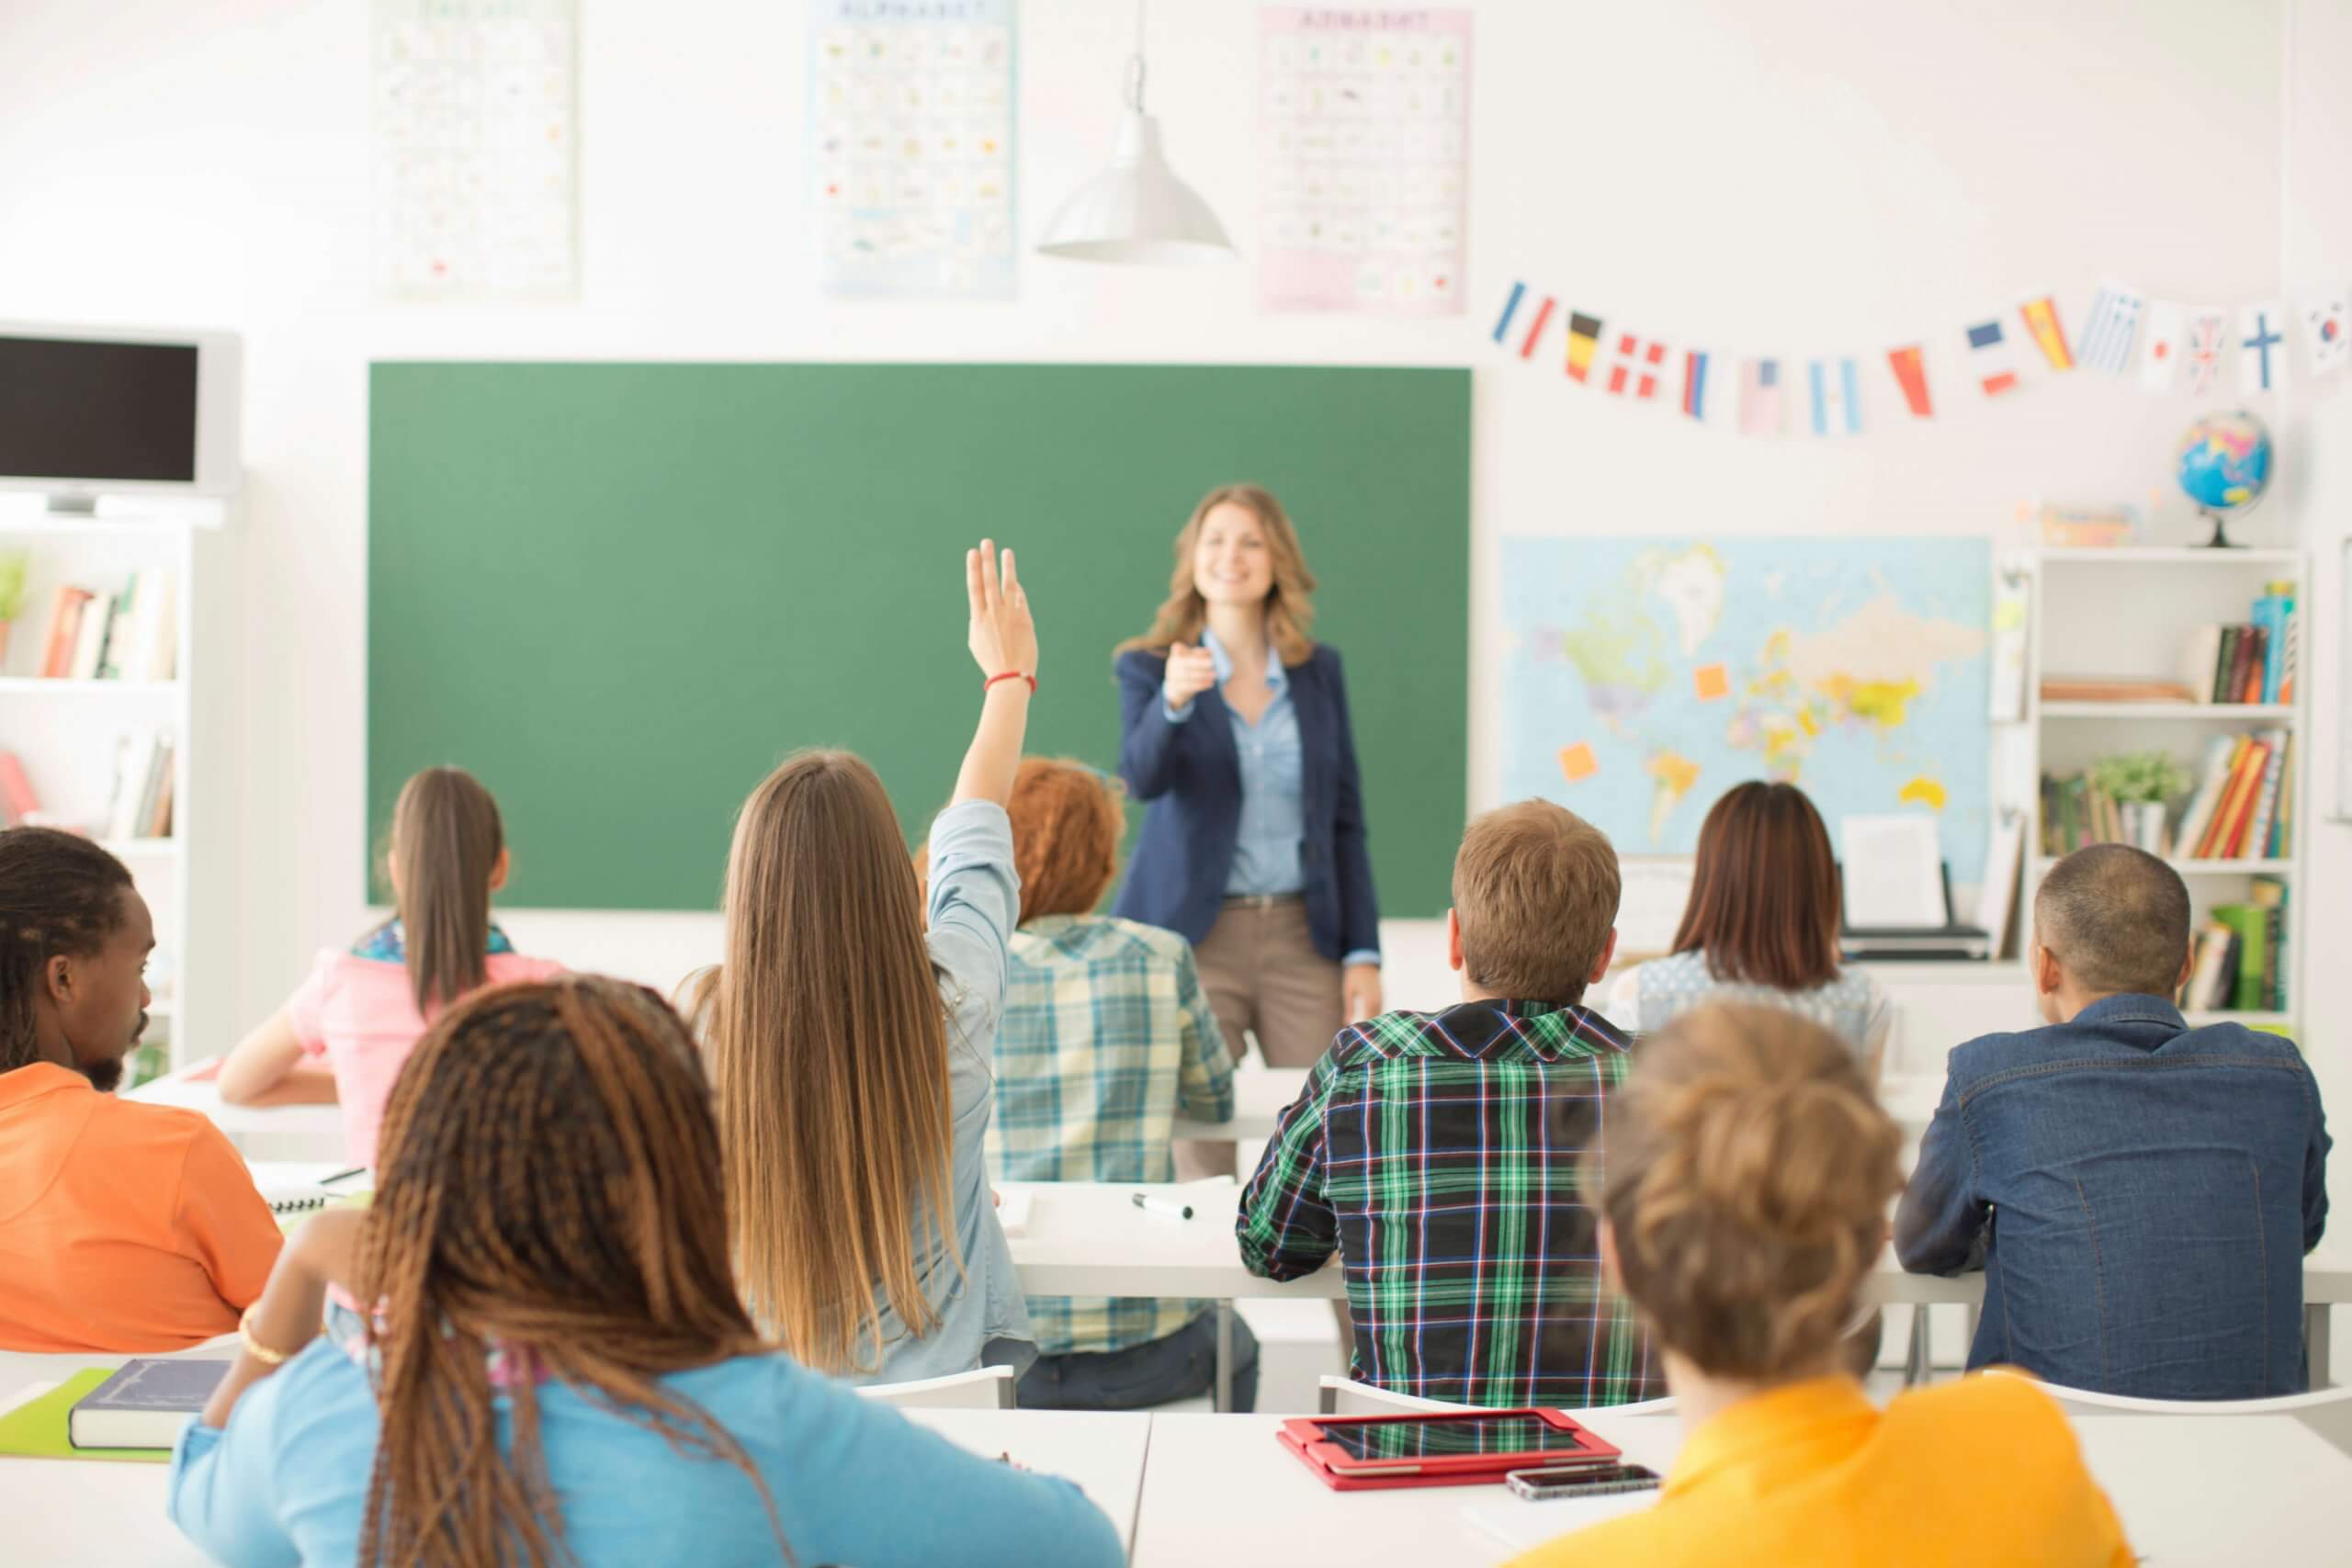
2157, 342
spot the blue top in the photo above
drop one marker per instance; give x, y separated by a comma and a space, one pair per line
287, 1482
984, 1322
2140, 1195
1238, 810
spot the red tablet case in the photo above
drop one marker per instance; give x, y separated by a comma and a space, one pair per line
1344, 1472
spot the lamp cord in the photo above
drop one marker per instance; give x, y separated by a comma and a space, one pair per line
1134, 64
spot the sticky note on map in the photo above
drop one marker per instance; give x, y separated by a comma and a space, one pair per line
1711, 682
1579, 763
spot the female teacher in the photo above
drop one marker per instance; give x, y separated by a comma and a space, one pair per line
1237, 733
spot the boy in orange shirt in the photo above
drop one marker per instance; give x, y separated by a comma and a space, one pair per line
123, 1226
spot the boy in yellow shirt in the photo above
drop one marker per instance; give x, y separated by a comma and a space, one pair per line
1747, 1169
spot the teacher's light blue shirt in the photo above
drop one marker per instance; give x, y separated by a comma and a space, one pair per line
1266, 849
286, 1485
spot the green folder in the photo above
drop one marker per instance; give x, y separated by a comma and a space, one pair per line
37, 1431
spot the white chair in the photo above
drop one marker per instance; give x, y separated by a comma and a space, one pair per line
1345, 1396
991, 1388
2327, 1412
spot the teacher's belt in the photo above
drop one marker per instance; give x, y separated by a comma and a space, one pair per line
1262, 900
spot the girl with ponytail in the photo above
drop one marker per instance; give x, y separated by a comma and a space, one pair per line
557, 1368
1745, 1173
363, 1010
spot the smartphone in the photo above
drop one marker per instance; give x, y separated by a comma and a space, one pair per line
1541, 1485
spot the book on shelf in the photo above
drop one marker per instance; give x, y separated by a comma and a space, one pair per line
18, 803
2242, 806
129, 636
2248, 661
143, 787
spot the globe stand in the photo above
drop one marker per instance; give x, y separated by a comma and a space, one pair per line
2220, 539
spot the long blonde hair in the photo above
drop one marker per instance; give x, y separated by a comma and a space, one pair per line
446, 841
1745, 1173
828, 1048
1290, 605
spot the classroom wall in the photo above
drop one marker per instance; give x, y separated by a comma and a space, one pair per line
1816, 175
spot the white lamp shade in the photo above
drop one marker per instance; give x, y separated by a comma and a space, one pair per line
1137, 211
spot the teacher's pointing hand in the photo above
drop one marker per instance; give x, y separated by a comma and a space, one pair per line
1190, 671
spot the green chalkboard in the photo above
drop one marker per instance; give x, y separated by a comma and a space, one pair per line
621, 592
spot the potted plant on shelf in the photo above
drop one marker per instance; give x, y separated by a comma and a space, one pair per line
14, 565
2143, 784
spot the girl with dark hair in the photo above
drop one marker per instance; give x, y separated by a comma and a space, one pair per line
1762, 925
557, 1368
362, 1010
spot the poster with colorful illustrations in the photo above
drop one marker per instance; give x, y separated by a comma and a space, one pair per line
475, 113
1364, 123
910, 147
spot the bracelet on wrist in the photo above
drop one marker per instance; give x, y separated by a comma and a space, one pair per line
1010, 675
255, 1347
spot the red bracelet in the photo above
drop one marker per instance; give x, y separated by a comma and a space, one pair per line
1009, 675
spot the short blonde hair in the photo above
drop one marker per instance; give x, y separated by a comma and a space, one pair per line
1535, 892
1745, 1169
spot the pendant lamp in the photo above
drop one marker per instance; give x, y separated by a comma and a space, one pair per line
1137, 212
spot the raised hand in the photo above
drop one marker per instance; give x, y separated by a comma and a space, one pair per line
1190, 671
1003, 639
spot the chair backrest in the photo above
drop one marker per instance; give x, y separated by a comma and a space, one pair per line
1662, 1405
1345, 1396
991, 1388
2327, 1412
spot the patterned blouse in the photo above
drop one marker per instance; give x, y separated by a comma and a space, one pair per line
1851, 1006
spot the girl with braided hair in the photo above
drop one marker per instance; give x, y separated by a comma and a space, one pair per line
1745, 1172
557, 1368
851, 1026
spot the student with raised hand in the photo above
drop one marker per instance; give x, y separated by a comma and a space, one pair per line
557, 1367
1437, 1152
362, 1010
1743, 1181
1106, 1036
1762, 925
851, 1048
2140, 1193
123, 1226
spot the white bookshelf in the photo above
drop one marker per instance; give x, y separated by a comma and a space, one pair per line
67, 733
2132, 613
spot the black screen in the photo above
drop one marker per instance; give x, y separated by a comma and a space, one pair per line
1449, 1435
96, 411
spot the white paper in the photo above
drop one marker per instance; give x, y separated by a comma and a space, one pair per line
1653, 893
1999, 893
476, 130
1893, 870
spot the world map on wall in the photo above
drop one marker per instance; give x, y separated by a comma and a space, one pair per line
1644, 677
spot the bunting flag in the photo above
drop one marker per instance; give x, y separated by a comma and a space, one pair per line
1535, 330
2328, 332
2260, 365
1760, 398
1988, 358
1584, 337
1836, 403
1510, 307
2160, 346
2106, 342
1635, 366
1701, 398
2042, 319
2207, 329
1911, 375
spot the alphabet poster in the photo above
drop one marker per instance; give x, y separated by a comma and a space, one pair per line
1364, 129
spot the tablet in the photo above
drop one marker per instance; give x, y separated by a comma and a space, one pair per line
1441, 1448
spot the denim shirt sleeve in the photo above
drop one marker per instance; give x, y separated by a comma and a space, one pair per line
224, 1493
1939, 1227
2315, 1173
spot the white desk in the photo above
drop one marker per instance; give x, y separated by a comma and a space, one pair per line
301, 1133
69, 1513
2190, 1489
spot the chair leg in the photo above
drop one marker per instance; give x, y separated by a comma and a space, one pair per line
1915, 1361
1327, 1401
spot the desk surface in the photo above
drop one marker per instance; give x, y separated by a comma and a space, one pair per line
66, 1514
2190, 1489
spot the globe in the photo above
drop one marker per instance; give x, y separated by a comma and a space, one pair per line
2224, 464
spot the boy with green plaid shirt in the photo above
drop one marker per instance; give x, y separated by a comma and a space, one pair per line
1438, 1153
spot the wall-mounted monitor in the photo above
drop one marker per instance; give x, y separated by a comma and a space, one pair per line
86, 412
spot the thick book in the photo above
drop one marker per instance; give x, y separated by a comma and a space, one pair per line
2252, 927
2227, 662
2210, 979
90, 638
2265, 795
64, 631
2197, 665
144, 1405
2246, 769
2221, 751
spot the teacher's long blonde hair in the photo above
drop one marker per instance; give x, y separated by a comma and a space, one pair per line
1290, 604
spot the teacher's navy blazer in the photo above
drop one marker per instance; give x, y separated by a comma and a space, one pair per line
1191, 776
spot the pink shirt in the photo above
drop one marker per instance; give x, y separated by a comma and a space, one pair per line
359, 1014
